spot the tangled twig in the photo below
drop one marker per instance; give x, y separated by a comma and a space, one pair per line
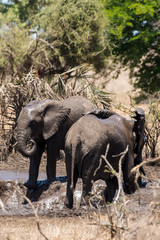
113, 226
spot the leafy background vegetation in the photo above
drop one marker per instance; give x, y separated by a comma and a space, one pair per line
55, 36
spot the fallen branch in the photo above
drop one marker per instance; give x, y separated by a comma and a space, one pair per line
136, 168
112, 225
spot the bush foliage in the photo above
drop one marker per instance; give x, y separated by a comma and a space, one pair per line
55, 36
52, 36
152, 130
135, 31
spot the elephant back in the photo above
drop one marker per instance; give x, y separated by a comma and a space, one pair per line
119, 129
78, 106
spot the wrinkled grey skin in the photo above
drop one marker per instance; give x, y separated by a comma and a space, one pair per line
45, 123
87, 140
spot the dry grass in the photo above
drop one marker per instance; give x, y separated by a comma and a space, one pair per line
141, 226
18, 228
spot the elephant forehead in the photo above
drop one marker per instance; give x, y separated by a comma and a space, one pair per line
31, 113
27, 113
32, 103
37, 104
140, 111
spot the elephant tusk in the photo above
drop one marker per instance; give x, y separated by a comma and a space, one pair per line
30, 144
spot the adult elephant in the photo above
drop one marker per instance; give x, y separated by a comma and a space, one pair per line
87, 140
45, 123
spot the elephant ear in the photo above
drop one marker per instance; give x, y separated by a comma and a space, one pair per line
55, 114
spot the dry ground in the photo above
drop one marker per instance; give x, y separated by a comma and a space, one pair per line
140, 218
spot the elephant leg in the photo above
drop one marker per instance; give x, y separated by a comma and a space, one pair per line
52, 155
129, 178
70, 187
110, 190
69, 195
86, 190
34, 167
51, 166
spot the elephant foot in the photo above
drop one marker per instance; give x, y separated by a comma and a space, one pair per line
35, 185
30, 185
38, 184
129, 189
68, 204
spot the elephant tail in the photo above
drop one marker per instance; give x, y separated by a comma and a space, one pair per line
74, 174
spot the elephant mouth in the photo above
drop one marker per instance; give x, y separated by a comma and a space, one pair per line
27, 147
30, 144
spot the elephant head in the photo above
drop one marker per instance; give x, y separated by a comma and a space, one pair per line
39, 119
139, 129
139, 126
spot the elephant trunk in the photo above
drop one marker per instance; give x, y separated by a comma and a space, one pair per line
26, 146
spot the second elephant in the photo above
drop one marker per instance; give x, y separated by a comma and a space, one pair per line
45, 123
87, 140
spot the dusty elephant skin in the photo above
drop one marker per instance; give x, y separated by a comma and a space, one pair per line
87, 140
45, 123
